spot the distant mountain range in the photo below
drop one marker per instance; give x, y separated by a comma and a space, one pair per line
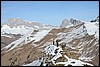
73, 43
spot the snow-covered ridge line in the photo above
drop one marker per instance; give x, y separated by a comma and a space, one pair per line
51, 50
16, 30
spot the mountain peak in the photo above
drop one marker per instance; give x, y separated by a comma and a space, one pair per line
70, 21
65, 22
15, 20
95, 20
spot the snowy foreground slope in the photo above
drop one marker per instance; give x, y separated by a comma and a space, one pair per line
72, 44
50, 50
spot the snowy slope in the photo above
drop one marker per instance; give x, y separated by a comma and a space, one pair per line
17, 42
72, 34
92, 29
50, 50
27, 38
35, 63
39, 35
7, 36
15, 30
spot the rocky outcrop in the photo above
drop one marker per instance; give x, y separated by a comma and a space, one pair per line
95, 20
75, 22
65, 23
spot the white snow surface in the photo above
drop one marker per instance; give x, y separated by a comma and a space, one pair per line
50, 49
72, 34
92, 29
7, 36
86, 58
17, 42
26, 38
35, 63
56, 56
76, 62
26, 32
39, 35
37, 27
16, 30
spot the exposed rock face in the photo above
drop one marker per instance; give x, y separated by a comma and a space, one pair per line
18, 21
71, 21
95, 20
65, 23
75, 22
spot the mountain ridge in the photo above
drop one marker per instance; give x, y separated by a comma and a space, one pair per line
71, 44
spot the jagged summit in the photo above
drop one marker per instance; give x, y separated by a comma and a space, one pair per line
75, 21
71, 21
95, 20
65, 23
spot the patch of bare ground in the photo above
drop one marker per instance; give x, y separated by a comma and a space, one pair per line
90, 47
7, 40
22, 55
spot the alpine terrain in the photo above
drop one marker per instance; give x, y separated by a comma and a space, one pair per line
73, 43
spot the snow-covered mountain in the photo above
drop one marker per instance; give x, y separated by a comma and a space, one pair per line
70, 22
95, 20
74, 43
14, 28
18, 21
65, 23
